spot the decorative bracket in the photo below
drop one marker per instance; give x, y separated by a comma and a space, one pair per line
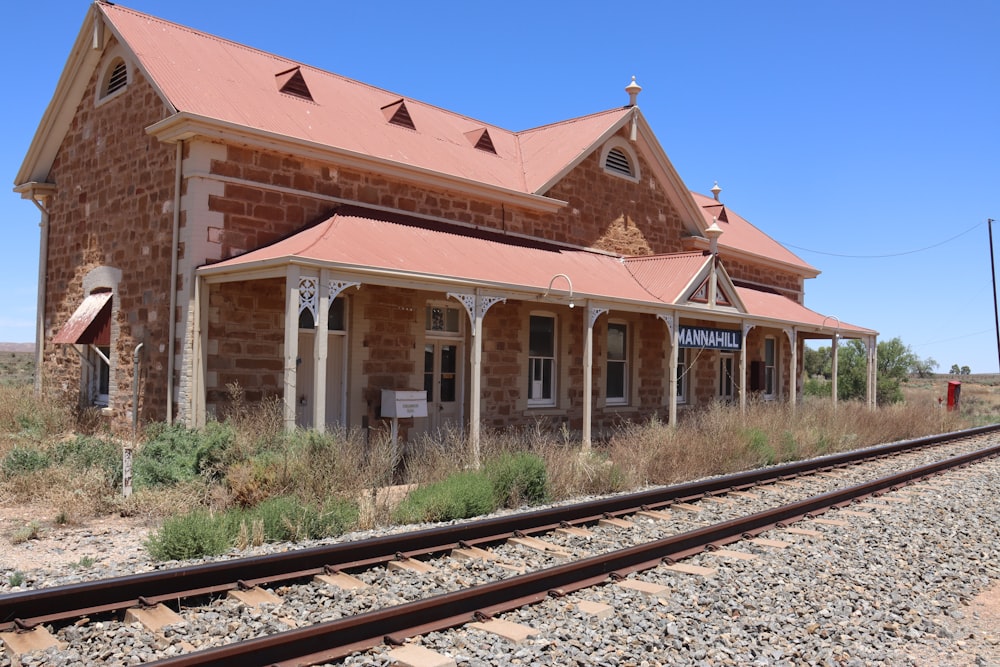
595, 313
308, 294
668, 320
476, 304
337, 286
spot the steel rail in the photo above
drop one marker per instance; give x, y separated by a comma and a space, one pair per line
335, 639
60, 603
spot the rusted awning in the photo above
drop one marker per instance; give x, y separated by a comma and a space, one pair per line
90, 324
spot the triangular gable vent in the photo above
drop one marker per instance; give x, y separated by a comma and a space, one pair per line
291, 82
397, 114
481, 139
700, 295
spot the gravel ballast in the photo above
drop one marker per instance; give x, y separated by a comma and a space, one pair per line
894, 586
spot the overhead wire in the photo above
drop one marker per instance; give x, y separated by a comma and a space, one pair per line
894, 254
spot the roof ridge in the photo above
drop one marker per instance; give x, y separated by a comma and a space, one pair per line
567, 121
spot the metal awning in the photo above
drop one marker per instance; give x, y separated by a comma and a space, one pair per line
90, 324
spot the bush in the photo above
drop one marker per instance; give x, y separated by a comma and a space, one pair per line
169, 456
86, 452
518, 479
282, 519
193, 535
460, 496
286, 519
24, 460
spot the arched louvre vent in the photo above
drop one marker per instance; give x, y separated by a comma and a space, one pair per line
291, 82
118, 78
481, 139
618, 162
397, 114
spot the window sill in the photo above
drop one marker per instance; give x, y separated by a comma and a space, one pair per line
545, 411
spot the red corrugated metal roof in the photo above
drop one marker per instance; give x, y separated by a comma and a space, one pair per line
667, 277
219, 79
740, 234
358, 239
778, 307
90, 324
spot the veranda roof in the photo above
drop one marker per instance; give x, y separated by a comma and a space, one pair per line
377, 243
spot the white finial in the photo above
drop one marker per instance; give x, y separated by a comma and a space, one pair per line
716, 190
633, 89
713, 233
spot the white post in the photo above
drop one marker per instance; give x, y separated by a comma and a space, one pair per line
291, 345
793, 337
321, 348
588, 375
834, 347
743, 368
475, 388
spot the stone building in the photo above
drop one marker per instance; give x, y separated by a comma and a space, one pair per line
216, 216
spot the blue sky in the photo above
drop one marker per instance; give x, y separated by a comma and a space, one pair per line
863, 135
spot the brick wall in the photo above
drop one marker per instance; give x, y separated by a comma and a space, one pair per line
113, 208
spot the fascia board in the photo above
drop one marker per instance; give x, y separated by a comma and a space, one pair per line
184, 125
682, 198
62, 107
731, 288
276, 268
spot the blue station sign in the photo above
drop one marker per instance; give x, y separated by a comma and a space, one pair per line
712, 339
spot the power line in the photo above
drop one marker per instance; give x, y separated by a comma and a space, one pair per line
894, 254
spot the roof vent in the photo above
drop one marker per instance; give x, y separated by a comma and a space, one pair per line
481, 140
617, 161
397, 114
117, 78
291, 82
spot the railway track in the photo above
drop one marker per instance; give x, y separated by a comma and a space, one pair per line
333, 639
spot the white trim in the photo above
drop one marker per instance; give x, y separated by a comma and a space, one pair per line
107, 68
626, 148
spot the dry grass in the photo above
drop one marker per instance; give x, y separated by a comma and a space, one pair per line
263, 462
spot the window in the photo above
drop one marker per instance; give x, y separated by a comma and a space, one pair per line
682, 370
102, 392
334, 320
541, 360
769, 367
617, 380
726, 384
442, 319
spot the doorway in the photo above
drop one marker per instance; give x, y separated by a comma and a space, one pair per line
443, 383
305, 379
727, 384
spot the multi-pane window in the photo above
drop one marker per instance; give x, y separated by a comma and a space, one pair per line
769, 367
103, 389
542, 360
441, 319
617, 381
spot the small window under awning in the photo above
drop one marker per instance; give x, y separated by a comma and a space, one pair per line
90, 324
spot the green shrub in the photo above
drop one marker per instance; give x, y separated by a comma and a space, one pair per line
193, 535
215, 451
24, 460
760, 446
518, 479
286, 519
169, 456
86, 452
460, 496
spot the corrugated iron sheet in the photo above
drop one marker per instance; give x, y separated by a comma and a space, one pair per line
90, 324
